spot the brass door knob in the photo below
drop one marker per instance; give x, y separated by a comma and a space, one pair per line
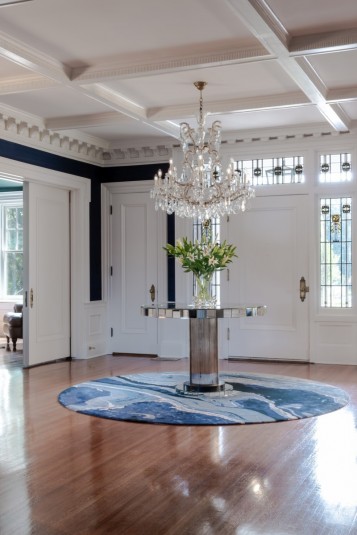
152, 293
303, 289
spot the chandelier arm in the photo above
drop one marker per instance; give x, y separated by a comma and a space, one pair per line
186, 133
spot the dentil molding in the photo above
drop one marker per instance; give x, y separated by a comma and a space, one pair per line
92, 150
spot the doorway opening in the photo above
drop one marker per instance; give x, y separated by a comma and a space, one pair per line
11, 268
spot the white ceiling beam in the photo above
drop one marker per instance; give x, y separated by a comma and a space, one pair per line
32, 59
99, 119
112, 99
12, 2
342, 94
261, 21
42, 65
22, 84
119, 69
47, 72
165, 127
74, 122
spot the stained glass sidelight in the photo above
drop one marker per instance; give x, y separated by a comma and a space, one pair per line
336, 252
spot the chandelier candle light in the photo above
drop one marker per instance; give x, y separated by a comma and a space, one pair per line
203, 190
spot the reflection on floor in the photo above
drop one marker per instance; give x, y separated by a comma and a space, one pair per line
65, 473
10, 358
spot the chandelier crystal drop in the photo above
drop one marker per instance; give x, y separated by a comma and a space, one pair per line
202, 190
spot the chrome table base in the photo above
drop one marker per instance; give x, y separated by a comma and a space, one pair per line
204, 374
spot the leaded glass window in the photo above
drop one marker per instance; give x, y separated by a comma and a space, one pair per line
335, 168
272, 171
336, 252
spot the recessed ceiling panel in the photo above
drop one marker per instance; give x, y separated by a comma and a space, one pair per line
256, 120
334, 69
53, 102
228, 82
350, 108
86, 31
312, 16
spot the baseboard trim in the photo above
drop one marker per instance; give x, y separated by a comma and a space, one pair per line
56, 361
145, 355
168, 359
257, 359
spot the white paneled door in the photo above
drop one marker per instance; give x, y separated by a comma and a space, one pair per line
272, 245
46, 274
134, 249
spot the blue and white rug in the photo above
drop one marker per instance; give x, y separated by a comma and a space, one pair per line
253, 398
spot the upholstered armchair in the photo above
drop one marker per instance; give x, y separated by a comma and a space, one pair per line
13, 326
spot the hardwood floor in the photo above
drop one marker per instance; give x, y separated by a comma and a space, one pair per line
10, 358
63, 473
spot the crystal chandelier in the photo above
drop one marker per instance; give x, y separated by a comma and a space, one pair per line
202, 190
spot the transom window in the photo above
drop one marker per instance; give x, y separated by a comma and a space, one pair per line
335, 168
272, 171
336, 252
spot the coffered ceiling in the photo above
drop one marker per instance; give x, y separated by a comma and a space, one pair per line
120, 72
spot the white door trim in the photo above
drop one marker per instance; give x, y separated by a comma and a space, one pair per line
79, 213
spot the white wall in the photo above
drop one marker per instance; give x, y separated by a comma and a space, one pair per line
333, 332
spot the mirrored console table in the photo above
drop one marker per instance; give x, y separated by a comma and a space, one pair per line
204, 374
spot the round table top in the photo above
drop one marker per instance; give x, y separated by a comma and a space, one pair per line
184, 311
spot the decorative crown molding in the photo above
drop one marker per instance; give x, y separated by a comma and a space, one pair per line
36, 135
30, 131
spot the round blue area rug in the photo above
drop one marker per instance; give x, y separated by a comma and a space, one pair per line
251, 398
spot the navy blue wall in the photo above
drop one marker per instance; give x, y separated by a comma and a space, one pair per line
132, 172
97, 175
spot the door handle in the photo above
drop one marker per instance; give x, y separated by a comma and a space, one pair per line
152, 293
303, 289
31, 298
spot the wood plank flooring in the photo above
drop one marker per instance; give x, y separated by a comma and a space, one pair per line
63, 473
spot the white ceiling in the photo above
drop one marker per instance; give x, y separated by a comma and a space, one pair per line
119, 70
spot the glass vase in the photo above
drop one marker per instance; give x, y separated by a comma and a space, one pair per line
203, 297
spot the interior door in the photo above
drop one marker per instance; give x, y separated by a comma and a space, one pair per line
272, 247
46, 316
134, 246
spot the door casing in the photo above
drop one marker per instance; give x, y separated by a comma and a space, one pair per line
79, 237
